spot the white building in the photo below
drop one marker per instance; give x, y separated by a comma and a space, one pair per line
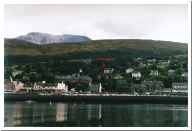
14, 73
62, 86
136, 74
95, 87
129, 70
180, 87
108, 70
154, 73
184, 74
44, 86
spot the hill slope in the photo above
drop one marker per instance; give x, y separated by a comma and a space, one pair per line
45, 38
93, 49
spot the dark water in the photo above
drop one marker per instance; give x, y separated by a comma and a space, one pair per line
104, 115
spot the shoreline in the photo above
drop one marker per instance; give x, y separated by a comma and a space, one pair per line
97, 98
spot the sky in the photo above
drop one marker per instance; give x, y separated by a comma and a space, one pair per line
113, 21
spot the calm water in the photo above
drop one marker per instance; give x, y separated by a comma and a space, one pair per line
106, 115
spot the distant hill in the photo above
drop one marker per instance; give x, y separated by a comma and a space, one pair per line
45, 38
23, 51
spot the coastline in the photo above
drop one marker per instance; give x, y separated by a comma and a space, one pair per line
97, 98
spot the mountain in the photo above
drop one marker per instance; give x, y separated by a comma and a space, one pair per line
45, 38
23, 51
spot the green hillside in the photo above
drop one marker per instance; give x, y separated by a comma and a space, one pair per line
97, 48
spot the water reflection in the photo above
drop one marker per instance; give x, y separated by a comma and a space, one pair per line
107, 115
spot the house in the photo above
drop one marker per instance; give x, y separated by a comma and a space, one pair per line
62, 86
152, 85
171, 72
180, 87
154, 73
184, 74
8, 85
129, 70
95, 87
17, 72
136, 74
165, 63
141, 65
108, 70
118, 76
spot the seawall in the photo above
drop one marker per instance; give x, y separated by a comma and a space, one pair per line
98, 99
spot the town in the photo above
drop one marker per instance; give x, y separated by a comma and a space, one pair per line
107, 76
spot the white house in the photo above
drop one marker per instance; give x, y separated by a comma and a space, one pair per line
154, 73
108, 70
136, 74
95, 87
129, 70
184, 74
17, 72
180, 87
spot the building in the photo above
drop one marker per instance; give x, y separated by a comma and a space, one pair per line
129, 70
17, 72
154, 73
108, 70
184, 74
8, 85
74, 78
180, 87
171, 72
95, 87
153, 85
136, 74
62, 86
44, 86
118, 76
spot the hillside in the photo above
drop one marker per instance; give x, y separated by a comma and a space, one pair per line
93, 49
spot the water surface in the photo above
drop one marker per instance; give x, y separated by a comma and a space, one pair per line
61, 114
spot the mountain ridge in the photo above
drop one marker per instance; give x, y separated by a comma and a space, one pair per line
45, 38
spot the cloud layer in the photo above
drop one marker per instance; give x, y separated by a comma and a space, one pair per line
160, 22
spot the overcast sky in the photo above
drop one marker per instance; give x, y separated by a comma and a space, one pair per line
158, 22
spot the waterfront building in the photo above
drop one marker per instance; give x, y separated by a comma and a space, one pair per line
62, 86
153, 85
95, 87
179, 87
